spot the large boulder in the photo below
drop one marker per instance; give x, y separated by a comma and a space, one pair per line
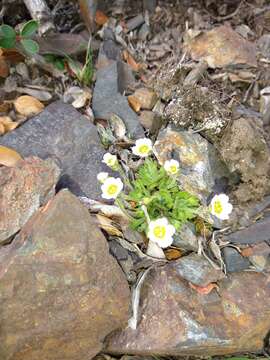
23, 189
61, 292
62, 133
176, 320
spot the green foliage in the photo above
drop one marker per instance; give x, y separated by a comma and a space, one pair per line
9, 38
30, 46
83, 73
29, 29
161, 195
57, 61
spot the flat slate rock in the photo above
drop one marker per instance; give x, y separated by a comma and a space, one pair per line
254, 234
197, 270
108, 100
234, 261
60, 132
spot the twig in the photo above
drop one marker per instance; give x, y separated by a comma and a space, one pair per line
136, 291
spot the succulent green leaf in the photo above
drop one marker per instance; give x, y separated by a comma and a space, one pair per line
7, 36
29, 28
59, 64
30, 46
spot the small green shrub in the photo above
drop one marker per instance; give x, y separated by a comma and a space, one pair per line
160, 193
9, 38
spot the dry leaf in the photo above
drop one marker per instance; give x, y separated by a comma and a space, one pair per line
2, 129
5, 106
6, 124
155, 251
134, 103
108, 225
173, 254
101, 18
203, 290
4, 67
12, 56
28, 105
9, 157
130, 60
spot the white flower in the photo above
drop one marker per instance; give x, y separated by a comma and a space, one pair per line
171, 166
102, 176
110, 160
143, 147
221, 207
111, 188
161, 232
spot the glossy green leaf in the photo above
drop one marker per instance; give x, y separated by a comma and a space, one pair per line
30, 46
59, 64
7, 37
29, 28
7, 43
7, 31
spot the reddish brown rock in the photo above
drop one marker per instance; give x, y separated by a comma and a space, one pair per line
220, 47
61, 292
176, 320
23, 189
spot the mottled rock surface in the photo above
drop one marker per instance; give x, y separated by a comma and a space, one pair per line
254, 234
178, 321
108, 100
23, 189
200, 166
221, 47
197, 270
61, 292
245, 152
62, 133
234, 261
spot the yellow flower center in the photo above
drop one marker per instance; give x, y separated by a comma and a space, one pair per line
143, 149
112, 189
160, 231
218, 208
173, 169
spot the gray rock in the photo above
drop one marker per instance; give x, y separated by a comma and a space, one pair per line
234, 261
200, 165
108, 100
62, 133
197, 270
254, 234
264, 45
186, 238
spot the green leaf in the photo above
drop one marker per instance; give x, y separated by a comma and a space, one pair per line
7, 37
50, 58
29, 28
59, 64
7, 31
30, 46
7, 43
